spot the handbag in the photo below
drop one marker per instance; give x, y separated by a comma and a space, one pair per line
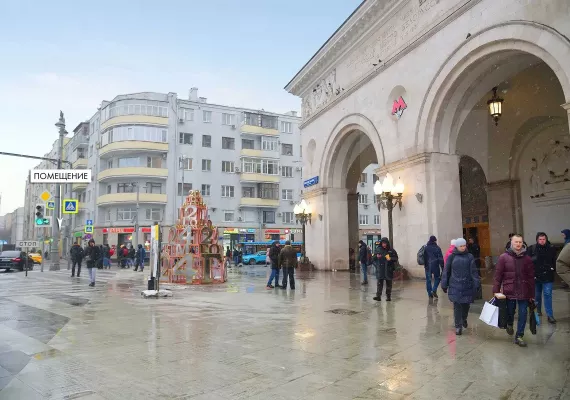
490, 313
533, 319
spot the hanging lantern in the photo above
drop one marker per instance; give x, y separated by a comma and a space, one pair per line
495, 106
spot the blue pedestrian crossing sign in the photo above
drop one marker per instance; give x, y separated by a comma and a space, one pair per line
70, 206
50, 205
88, 229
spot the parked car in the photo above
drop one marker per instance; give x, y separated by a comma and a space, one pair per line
256, 258
37, 257
14, 259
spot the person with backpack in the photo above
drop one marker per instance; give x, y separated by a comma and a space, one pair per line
433, 265
77, 254
363, 259
385, 260
461, 282
92, 254
141, 253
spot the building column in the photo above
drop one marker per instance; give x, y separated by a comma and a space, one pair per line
505, 216
353, 223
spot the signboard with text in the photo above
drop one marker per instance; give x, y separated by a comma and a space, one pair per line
23, 244
311, 182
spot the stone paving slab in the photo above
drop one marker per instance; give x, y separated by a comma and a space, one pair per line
64, 340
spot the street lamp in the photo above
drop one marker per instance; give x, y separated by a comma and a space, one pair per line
495, 104
302, 215
389, 196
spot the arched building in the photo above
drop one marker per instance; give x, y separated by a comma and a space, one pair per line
405, 84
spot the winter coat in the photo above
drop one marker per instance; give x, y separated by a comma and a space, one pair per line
106, 252
362, 252
563, 260
544, 260
433, 258
274, 252
288, 257
132, 253
384, 267
448, 253
93, 254
141, 253
460, 277
76, 253
515, 273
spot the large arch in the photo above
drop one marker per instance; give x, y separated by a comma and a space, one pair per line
440, 119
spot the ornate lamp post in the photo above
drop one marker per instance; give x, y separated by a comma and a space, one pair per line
495, 104
302, 215
389, 196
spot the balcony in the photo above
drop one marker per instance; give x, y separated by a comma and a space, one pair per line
261, 178
134, 119
258, 130
259, 153
80, 163
78, 187
133, 172
132, 146
256, 202
131, 198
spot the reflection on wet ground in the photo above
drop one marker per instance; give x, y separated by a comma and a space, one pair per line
326, 340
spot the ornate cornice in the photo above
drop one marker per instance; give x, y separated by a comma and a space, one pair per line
416, 159
314, 193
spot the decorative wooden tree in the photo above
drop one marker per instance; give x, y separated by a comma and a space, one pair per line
193, 255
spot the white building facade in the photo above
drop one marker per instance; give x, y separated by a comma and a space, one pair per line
405, 84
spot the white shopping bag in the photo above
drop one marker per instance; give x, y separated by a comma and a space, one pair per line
490, 314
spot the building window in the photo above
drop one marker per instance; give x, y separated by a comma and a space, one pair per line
248, 192
269, 144
80, 152
363, 219
134, 132
268, 191
228, 143
269, 217
228, 166
109, 164
107, 215
259, 166
286, 127
363, 178
206, 141
206, 116
154, 162
287, 172
186, 163
187, 189
108, 189
228, 216
153, 187
126, 214
228, 119
286, 149
186, 138
287, 194
153, 214
89, 195
376, 220
247, 144
374, 178
187, 114
227, 191
125, 188
116, 110
206, 165
205, 190
288, 218
362, 199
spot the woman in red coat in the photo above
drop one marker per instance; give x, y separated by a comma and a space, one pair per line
515, 273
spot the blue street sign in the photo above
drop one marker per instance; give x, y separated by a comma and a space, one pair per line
89, 229
70, 206
89, 222
50, 205
311, 182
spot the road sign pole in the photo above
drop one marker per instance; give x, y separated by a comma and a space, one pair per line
43, 249
55, 229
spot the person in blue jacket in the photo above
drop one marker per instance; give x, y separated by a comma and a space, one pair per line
141, 253
433, 266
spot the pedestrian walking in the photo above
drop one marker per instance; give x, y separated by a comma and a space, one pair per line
274, 259
76, 253
384, 259
106, 256
563, 260
267, 259
228, 261
450, 250
124, 254
433, 266
140, 255
460, 281
92, 254
543, 256
474, 249
363, 260
515, 274
132, 256
288, 263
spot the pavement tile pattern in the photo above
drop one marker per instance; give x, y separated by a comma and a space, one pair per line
64, 340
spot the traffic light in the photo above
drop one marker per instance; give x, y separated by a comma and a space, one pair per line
41, 219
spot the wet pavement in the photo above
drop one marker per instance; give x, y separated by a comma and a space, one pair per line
328, 339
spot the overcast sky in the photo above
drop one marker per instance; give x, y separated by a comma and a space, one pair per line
70, 55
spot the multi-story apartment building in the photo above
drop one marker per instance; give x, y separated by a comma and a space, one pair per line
148, 150
368, 214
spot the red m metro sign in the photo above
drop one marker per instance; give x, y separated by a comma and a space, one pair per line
398, 107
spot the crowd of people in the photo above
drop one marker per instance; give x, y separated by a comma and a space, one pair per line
99, 257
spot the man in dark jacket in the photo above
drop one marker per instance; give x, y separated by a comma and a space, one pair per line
543, 256
274, 258
475, 250
76, 253
106, 256
363, 260
385, 259
141, 253
515, 273
92, 254
433, 266
288, 262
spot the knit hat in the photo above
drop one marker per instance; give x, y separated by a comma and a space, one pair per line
432, 239
460, 242
453, 242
